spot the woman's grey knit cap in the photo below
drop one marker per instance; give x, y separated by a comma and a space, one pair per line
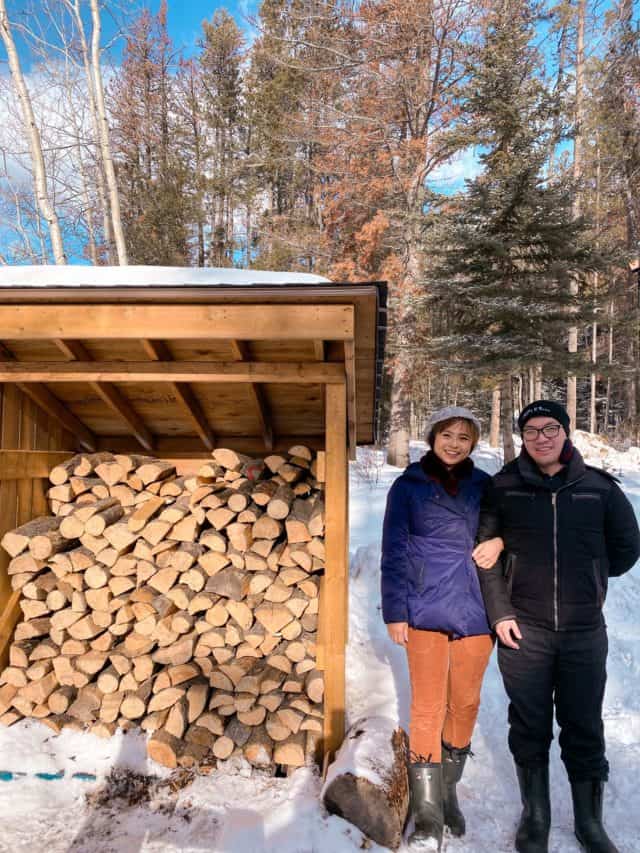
451, 412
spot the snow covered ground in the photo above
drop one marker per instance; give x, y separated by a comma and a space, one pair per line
235, 809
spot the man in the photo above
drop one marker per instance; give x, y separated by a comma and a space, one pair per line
567, 528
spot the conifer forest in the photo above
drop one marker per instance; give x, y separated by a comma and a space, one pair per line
481, 158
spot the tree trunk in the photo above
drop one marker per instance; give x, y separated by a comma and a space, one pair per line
494, 430
506, 394
33, 134
100, 175
398, 446
105, 145
577, 172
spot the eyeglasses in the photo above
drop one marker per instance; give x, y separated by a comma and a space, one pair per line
548, 431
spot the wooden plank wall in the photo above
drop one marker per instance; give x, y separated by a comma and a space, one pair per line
23, 426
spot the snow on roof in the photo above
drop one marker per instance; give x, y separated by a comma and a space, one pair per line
140, 276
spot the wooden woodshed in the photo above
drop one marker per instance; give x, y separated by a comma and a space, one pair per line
175, 362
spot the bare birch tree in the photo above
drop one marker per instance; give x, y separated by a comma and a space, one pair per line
103, 130
32, 131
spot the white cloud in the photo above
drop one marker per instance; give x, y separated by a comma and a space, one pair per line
450, 177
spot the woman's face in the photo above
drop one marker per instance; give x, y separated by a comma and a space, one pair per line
454, 443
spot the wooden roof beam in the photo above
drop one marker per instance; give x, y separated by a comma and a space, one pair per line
241, 352
270, 322
49, 403
292, 373
159, 351
76, 351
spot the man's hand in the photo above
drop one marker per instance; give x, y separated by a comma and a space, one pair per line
486, 553
399, 632
508, 633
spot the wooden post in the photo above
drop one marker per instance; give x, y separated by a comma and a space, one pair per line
334, 605
9, 437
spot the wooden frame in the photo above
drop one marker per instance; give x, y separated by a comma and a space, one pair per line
172, 371
334, 611
165, 322
330, 368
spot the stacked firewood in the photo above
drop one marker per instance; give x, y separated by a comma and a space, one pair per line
187, 605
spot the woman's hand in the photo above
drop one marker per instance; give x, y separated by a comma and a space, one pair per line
508, 633
399, 632
486, 553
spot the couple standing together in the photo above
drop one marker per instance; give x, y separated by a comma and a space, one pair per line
552, 531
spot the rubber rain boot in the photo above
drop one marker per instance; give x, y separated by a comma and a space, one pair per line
425, 787
453, 761
532, 835
587, 812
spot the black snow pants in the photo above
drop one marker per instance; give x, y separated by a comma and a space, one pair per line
566, 669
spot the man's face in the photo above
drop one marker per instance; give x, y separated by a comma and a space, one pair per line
543, 447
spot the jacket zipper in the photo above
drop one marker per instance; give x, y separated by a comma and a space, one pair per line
554, 504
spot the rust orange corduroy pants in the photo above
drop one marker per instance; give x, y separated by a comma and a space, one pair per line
446, 677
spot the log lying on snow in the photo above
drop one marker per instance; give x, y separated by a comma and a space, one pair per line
367, 784
185, 605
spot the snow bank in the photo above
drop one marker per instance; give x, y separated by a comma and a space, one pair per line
236, 809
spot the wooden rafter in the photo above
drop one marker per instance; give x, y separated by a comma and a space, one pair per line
49, 403
241, 352
76, 351
318, 350
299, 373
159, 351
173, 322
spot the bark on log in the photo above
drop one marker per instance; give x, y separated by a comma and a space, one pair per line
375, 798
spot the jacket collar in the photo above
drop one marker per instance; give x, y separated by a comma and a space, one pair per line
449, 478
530, 472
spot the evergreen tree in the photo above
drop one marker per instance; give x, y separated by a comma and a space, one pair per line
500, 290
152, 172
220, 62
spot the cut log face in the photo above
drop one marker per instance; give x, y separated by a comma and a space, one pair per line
185, 605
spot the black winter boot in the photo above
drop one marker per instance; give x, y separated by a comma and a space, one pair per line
453, 761
533, 830
587, 812
425, 786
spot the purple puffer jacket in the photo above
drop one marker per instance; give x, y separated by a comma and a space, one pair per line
428, 577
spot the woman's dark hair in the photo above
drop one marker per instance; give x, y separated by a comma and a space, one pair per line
441, 426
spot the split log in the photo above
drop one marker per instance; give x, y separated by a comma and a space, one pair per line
165, 749
258, 749
280, 504
16, 541
291, 751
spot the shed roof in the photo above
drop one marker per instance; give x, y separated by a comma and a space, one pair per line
145, 276
177, 360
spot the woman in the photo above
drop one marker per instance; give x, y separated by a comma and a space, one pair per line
432, 604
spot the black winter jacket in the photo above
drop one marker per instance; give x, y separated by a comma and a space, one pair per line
560, 547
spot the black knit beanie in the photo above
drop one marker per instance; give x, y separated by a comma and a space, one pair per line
545, 408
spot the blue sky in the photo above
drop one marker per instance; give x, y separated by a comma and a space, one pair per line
186, 17
184, 20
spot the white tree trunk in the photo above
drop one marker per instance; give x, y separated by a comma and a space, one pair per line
577, 171
74, 9
33, 134
105, 145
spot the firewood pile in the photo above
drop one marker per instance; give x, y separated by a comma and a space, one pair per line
186, 605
